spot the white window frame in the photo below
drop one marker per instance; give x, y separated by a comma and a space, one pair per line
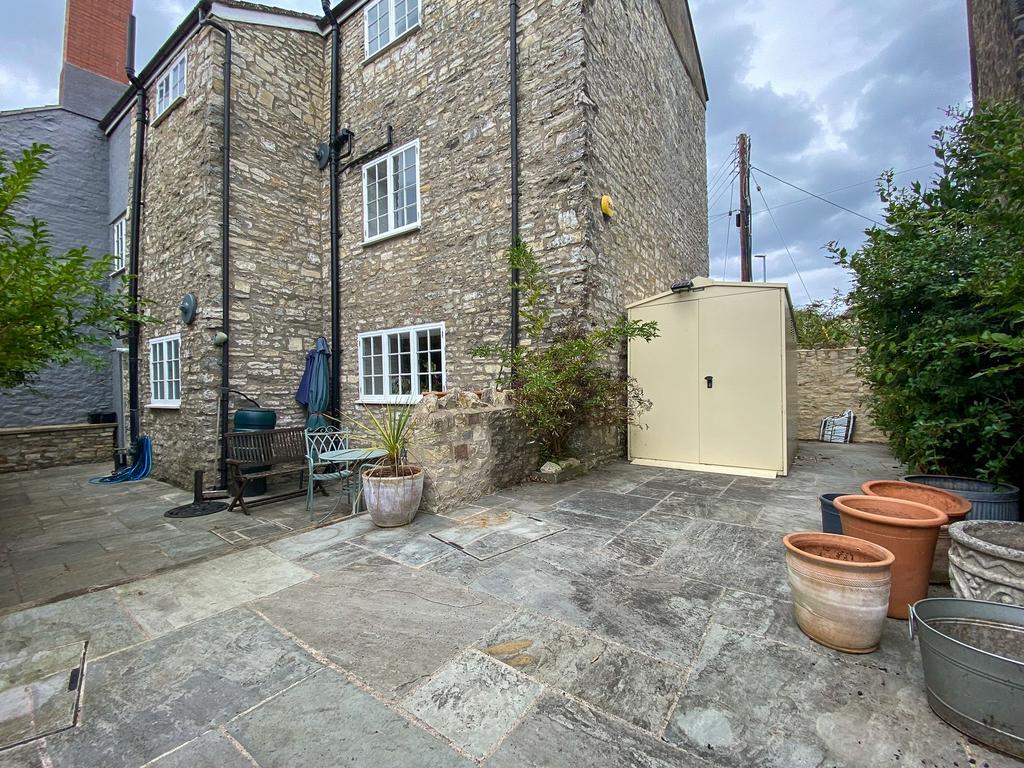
119, 243
413, 331
169, 91
392, 230
392, 38
165, 343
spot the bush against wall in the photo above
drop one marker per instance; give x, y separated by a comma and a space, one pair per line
939, 302
826, 324
563, 379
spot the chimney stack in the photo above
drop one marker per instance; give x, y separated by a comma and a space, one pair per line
95, 46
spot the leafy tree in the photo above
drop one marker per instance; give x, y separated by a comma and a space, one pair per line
825, 324
939, 301
562, 380
53, 308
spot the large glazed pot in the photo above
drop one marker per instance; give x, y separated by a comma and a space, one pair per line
954, 505
908, 530
989, 501
392, 500
986, 561
840, 589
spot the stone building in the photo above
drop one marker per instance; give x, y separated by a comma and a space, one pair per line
996, 37
611, 103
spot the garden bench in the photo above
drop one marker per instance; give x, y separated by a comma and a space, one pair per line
264, 454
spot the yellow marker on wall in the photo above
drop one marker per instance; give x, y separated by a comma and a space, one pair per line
606, 206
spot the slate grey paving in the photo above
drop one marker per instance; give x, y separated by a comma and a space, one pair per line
474, 701
327, 721
35, 699
212, 748
146, 700
619, 506
494, 532
562, 732
390, 625
410, 545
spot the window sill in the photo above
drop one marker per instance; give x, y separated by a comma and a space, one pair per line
395, 400
170, 108
393, 233
118, 272
381, 51
164, 406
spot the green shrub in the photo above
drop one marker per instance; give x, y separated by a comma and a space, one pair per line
939, 302
825, 324
565, 379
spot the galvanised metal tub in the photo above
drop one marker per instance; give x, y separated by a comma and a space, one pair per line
973, 657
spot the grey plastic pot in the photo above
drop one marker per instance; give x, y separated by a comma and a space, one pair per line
830, 522
989, 501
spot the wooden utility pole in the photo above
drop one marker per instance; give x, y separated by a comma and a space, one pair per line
743, 217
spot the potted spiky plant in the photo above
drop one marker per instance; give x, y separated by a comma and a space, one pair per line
392, 488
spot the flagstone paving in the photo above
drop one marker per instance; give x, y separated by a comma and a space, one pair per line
653, 630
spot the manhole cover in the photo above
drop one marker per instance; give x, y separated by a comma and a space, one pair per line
197, 510
40, 693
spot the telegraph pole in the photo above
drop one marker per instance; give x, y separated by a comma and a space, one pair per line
743, 217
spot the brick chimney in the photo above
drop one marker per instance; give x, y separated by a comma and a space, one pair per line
95, 46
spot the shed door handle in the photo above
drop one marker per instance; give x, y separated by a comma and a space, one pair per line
710, 381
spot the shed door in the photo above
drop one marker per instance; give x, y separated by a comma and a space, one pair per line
667, 370
741, 349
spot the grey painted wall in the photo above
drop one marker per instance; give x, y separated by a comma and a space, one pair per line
71, 196
87, 93
119, 146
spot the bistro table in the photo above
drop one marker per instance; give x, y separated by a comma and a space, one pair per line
353, 459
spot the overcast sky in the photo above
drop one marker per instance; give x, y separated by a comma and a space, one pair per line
831, 92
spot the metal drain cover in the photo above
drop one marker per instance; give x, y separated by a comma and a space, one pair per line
40, 693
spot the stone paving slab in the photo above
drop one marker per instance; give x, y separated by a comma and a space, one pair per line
211, 749
493, 532
327, 721
35, 696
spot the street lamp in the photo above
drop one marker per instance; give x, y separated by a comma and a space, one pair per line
764, 266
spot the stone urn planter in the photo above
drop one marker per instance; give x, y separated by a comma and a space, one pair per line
986, 561
954, 505
840, 588
392, 499
908, 530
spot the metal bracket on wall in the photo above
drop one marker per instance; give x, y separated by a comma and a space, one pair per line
389, 142
345, 138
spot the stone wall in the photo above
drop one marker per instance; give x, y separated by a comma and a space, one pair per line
997, 48
57, 445
471, 445
71, 197
828, 384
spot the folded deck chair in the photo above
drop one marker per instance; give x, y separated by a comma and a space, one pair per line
837, 429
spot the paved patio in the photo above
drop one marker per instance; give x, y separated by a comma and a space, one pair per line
634, 617
61, 535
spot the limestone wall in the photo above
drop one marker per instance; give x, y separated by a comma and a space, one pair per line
55, 445
828, 384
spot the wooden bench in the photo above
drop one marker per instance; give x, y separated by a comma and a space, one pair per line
264, 454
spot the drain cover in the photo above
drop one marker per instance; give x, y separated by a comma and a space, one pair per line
40, 693
197, 510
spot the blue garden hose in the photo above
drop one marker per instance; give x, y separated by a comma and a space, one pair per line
139, 469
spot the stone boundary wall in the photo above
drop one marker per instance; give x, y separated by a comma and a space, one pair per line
55, 445
828, 384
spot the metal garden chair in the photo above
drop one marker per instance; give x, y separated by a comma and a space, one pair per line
319, 442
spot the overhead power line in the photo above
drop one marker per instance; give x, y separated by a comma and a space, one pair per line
728, 231
779, 232
819, 197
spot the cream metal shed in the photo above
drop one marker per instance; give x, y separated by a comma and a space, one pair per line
721, 377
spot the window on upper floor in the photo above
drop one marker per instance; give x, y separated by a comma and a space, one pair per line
399, 365
118, 244
165, 371
171, 86
391, 193
385, 21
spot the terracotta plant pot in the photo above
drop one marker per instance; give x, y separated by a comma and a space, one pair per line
954, 505
392, 500
840, 587
908, 530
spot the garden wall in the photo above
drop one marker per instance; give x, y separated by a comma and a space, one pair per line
55, 445
828, 384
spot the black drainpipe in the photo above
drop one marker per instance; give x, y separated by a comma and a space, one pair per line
513, 98
225, 248
335, 389
141, 120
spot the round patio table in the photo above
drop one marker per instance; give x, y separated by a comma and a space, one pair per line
353, 459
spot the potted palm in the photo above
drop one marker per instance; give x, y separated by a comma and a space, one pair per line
392, 488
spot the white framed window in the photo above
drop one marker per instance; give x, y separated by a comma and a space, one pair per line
171, 86
165, 371
391, 193
385, 21
118, 244
400, 364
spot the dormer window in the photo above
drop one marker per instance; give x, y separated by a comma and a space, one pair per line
385, 21
170, 88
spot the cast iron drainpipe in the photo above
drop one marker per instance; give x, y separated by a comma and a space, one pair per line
335, 388
513, 101
141, 120
225, 247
